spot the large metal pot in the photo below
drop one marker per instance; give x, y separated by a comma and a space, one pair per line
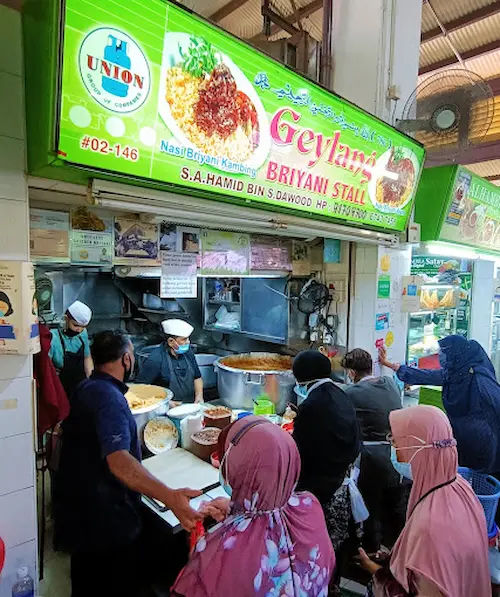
239, 387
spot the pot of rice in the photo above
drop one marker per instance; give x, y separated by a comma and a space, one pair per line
147, 401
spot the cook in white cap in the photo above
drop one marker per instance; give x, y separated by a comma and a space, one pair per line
69, 347
173, 365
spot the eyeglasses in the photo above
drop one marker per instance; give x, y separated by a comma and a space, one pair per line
440, 443
390, 438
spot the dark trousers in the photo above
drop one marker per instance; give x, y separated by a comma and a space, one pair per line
117, 572
385, 497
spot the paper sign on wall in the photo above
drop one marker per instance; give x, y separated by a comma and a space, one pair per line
178, 275
412, 289
91, 237
49, 235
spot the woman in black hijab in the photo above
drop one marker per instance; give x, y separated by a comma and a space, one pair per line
327, 435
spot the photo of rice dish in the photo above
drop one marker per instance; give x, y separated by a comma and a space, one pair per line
394, 189
202, 95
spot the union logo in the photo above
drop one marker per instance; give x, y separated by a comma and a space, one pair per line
114, 70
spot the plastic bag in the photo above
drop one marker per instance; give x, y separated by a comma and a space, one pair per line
358, 508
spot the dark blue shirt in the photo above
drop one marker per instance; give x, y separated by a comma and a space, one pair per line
155, 369
93, 508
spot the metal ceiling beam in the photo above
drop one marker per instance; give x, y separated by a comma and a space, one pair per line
226, 10
481, 51
278, 20
483, 152
302, 13
463, 21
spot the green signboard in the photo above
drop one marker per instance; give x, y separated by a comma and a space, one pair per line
454, 205
473, 215
151, 91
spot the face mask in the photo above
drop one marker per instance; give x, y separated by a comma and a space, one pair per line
183, 348
225, 486
128, 372
71, 333
403, 468
301, 392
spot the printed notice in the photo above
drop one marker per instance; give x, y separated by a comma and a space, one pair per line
178, 275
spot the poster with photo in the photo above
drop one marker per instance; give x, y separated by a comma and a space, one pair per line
188, 239
135, 242
168, 236
91, 237
225, 253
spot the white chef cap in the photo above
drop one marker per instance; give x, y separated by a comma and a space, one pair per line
80, 313
177, 328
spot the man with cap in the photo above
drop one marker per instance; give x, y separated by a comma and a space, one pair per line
173, 364
69, 347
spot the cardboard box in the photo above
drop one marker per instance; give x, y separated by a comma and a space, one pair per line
19, 332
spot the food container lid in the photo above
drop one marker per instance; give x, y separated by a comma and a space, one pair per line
179, 412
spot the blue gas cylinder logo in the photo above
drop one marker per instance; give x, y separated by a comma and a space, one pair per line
114, 70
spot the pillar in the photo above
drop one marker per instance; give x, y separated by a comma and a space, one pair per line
18, 527
376, 47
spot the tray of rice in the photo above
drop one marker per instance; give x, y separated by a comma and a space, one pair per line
160, 435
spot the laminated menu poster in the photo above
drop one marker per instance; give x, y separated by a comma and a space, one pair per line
168, 237
19, 332
270, 254
136, 242
225, 253
178, 275
49, 235
91, 237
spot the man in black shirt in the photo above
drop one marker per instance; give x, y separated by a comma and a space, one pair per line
101, 479
380, 485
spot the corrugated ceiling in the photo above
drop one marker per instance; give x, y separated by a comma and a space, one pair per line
246, 22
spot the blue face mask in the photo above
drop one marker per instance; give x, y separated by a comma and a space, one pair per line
183, 348
2, 314
225, 486
403, 468
301, 392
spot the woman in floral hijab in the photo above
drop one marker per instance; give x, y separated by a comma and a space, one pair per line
274, 542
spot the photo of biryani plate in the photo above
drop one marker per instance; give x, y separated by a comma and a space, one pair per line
394, 180
208, 103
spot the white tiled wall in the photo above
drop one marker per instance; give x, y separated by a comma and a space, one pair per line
17, 463
366, 305
483, 288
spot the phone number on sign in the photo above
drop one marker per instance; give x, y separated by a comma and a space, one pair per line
103, 146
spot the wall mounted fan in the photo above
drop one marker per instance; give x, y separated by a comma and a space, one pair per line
449, 112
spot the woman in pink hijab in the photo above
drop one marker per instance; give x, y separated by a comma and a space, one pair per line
274, 541
443, 548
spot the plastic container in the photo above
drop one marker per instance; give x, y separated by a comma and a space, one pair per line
263, 406
24, 586
487, 489
218, 416
204, 442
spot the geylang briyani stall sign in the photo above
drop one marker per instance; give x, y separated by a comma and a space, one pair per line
150, 90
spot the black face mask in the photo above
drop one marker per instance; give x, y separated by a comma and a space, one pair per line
128, 372
71, 333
